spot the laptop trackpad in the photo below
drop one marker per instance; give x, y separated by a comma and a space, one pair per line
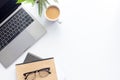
16, 48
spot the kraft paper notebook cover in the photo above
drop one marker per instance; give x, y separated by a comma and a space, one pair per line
39, 70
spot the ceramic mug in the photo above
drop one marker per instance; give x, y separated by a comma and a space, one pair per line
52, 13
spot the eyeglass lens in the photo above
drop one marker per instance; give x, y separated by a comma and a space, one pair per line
43, 73
31, 76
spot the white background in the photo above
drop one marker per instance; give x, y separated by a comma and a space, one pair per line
86, 46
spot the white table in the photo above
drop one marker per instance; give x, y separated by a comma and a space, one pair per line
86, 46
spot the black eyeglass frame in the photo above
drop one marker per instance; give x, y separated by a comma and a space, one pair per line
43, 69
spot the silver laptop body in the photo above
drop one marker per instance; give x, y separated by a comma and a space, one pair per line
22, 41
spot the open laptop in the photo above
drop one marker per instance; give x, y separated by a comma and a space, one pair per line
18, 31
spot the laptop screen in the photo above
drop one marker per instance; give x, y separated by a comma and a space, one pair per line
6, 8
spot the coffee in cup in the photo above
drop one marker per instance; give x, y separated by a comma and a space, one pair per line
52, 13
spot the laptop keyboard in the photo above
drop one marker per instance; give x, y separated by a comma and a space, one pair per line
14, 26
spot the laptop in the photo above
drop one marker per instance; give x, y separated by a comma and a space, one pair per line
19, 30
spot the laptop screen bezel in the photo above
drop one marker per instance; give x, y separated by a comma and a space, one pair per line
8, 8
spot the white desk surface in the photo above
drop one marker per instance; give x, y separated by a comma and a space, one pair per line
86, 46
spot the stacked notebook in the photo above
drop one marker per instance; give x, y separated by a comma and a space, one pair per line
35, 68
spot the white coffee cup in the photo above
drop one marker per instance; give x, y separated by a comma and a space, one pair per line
52, 13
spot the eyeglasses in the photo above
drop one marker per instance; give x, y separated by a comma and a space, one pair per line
32, 75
